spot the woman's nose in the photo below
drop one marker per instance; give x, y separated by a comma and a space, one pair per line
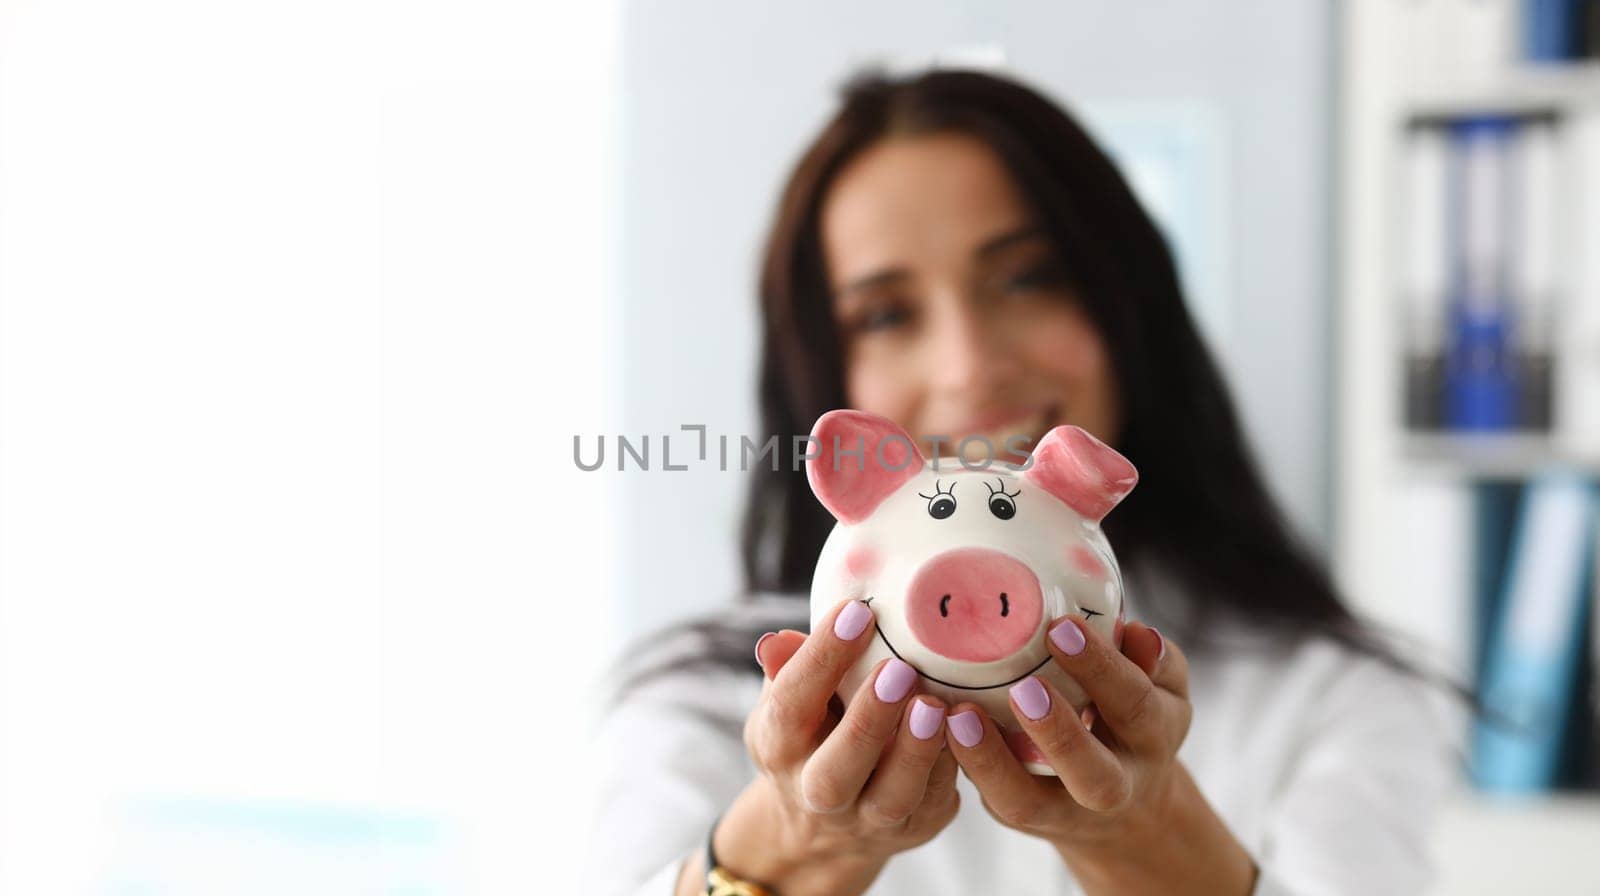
971, 353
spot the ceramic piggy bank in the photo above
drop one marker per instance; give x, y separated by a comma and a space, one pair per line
965, 569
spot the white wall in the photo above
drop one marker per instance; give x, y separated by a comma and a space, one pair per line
719, 99
303, 302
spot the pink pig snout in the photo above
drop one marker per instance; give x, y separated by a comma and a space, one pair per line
974, 605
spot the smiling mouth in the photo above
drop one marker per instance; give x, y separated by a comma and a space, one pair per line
951, 684
1030, 427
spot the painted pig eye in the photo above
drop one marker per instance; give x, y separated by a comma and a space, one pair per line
941, 503
1000, 503
1002, 507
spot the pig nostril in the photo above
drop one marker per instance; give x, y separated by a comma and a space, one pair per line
1005, 605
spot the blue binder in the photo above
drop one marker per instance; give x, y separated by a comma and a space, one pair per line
1550, 30
1480, 376
1535, 643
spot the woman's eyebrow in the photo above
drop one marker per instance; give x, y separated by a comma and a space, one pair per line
878, 278
989, 247
1022, 234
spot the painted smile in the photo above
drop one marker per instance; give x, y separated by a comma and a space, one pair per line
951, 684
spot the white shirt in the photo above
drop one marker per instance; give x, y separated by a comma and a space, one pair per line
1327, 766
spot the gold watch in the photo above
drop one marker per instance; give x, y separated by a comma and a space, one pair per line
722, 882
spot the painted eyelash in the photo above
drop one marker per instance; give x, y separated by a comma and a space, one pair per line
1001, 490
937, 491
1090, 613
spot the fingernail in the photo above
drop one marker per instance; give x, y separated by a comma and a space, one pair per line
1031, 697
925, 719
852, 620
894, 680
760, 641
967, 729
1160, 641
1067, 636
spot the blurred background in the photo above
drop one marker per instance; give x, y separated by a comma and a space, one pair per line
305, 304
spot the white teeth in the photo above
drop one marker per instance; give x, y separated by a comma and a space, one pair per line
1026, 431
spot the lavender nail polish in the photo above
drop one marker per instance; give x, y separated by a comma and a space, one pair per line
894, 681
1068, 637
967, 729
925, 719
852, 620
1031, 697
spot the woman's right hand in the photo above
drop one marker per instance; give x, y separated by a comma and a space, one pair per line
839, 792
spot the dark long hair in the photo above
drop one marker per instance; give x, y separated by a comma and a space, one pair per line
1201, 513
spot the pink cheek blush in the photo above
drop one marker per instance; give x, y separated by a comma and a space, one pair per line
861, 561
1084, 561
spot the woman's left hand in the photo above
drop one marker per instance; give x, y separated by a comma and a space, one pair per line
1112, 773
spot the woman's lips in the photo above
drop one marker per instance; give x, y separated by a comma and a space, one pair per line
1002, 438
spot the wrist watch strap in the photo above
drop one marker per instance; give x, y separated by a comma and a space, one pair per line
720, 881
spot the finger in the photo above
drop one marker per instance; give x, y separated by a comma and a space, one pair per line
836, 772
1172, 676
1149, 650
941, 802
942, 780
1143, 645
901, 779
1091, 773
1172, 667
797, 702
1141, 714
774, 649
1013, 794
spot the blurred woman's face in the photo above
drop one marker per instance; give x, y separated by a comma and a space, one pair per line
953, 309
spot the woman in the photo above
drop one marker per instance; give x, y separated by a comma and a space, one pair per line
954, 253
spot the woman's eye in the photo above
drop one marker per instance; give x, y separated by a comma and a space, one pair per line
1044, 276
881, 319
1002, 507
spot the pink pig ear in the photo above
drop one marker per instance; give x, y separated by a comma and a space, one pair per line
847, 475
1084, 472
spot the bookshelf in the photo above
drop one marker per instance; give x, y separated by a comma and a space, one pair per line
1388, 81
1520, 88
1489, 456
